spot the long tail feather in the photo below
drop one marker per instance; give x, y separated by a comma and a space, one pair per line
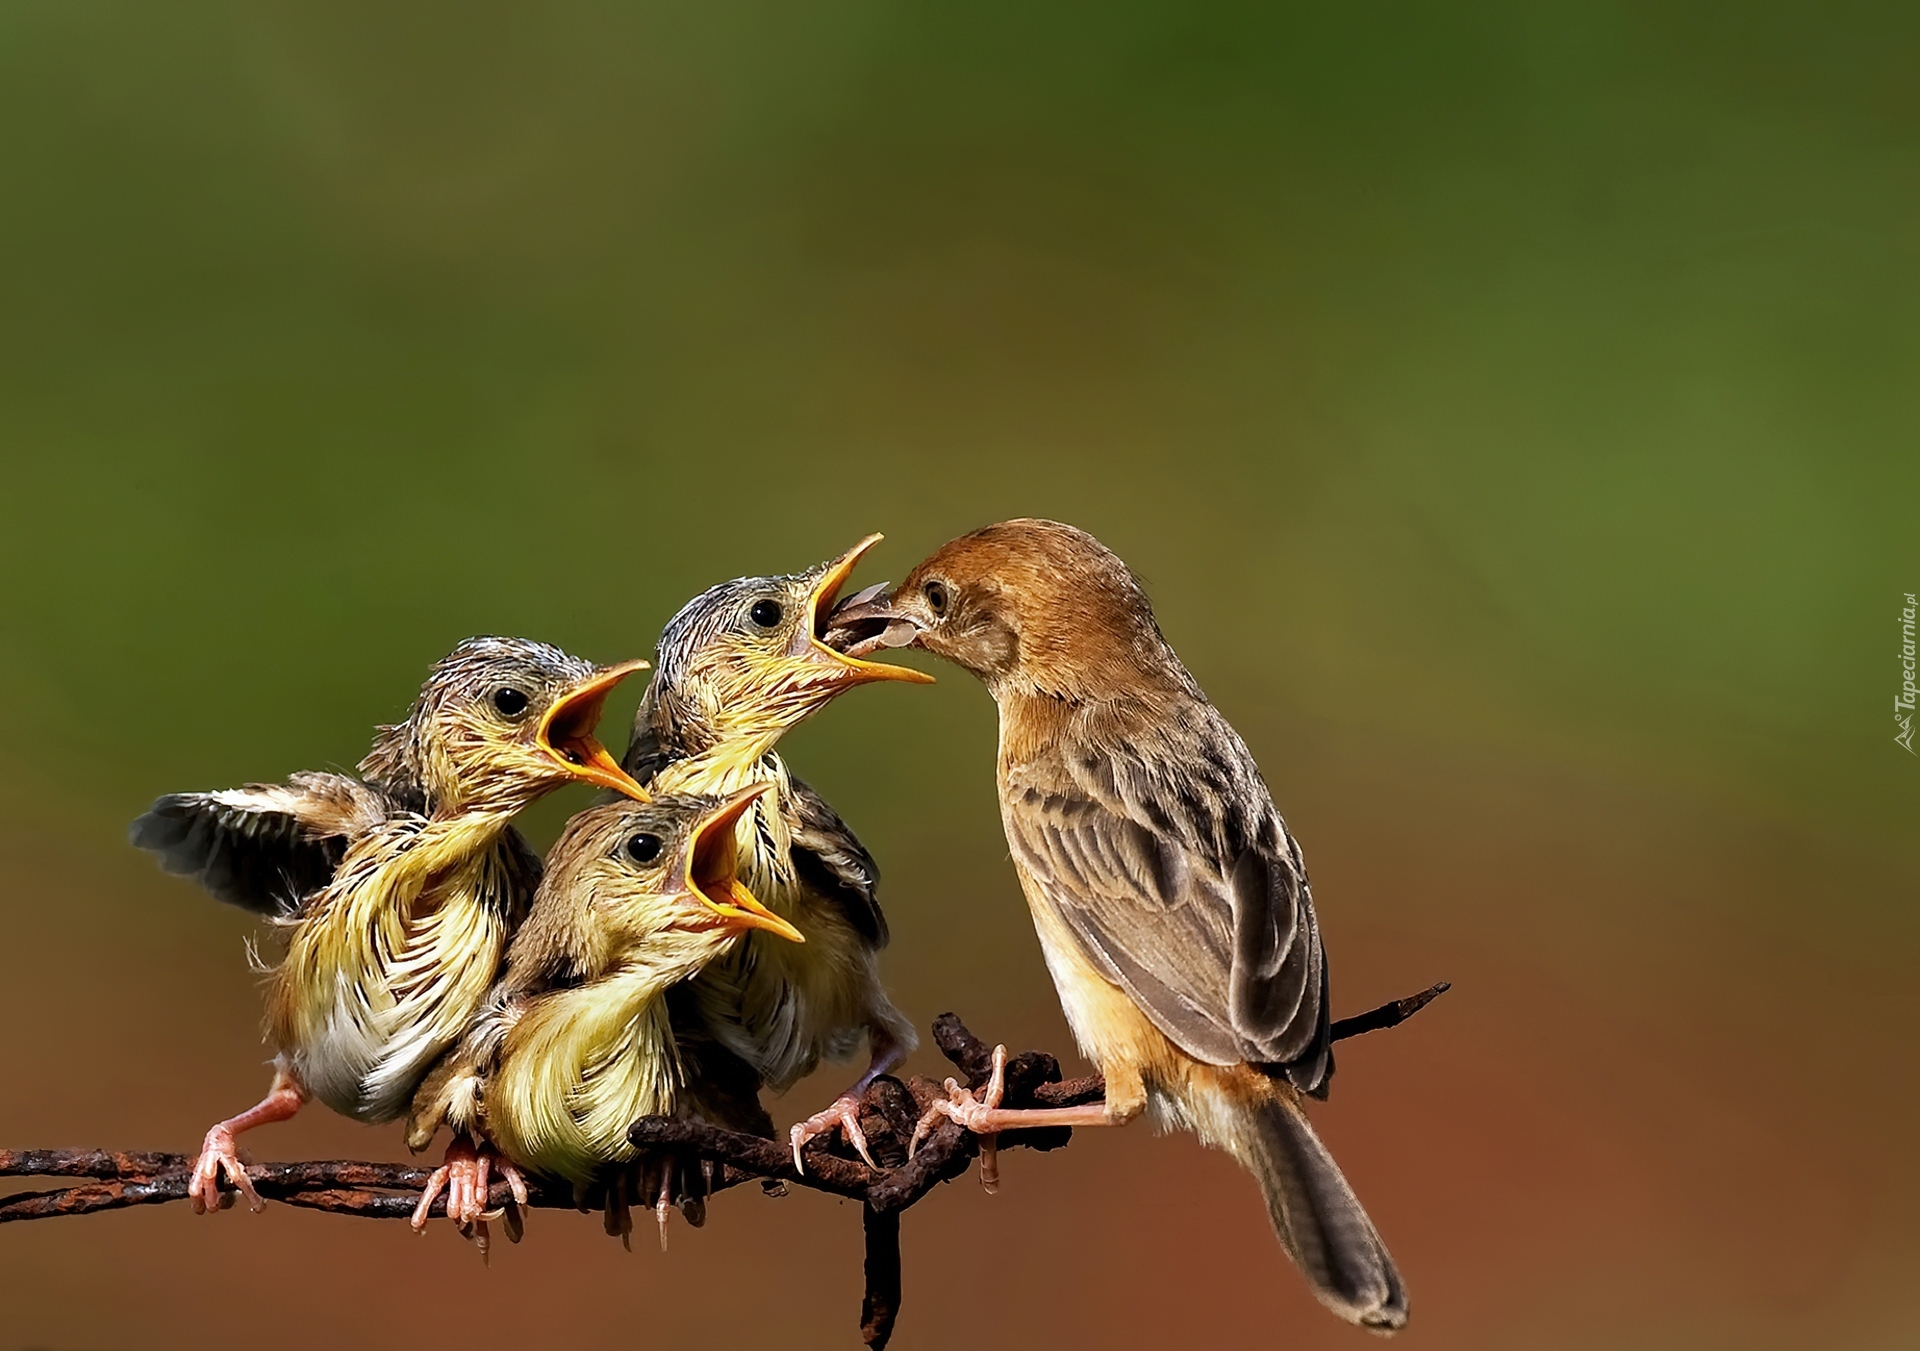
1318, 1218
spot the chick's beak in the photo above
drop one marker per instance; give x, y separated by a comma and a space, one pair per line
566, 732
810, 639
712, 877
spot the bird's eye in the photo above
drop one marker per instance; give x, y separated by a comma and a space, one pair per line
511, 702
765, 613
936, 594
644, 847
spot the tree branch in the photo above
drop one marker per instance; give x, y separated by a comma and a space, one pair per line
709, 1160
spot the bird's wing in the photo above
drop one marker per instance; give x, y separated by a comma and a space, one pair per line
645, 756
831, 860
266, 847
1169, 863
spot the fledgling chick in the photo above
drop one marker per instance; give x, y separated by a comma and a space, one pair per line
576, 1042
398, 892
1171, 902
739, 666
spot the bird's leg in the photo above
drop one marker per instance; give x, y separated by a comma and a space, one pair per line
219, 1154
465, 1176
844, 1111
984, 1116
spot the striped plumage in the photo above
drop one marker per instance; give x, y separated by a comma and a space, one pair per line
397, 894
739, 666
1171, 902
576, 1042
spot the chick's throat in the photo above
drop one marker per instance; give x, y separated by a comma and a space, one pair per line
763, 836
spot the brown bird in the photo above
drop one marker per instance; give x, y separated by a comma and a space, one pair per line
739, 666
398, 892
1170, 900
575, 1043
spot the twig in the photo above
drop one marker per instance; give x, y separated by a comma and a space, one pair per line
712, 1159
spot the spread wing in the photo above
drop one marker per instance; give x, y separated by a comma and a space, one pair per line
1165, 856
265, 847
831, 860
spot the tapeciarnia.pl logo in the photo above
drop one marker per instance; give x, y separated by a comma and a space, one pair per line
1903, 701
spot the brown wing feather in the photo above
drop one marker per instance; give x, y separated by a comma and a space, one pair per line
266, 847
831, 860
1164, 855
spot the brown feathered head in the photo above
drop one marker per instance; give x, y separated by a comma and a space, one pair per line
1031, 607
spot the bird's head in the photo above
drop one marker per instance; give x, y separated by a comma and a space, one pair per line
1029, 606
645, 884
743, 661
500, 722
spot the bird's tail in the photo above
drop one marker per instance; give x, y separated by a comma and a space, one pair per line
1317, 1216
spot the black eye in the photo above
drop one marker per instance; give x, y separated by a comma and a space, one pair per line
644, 848
936, 594
765, 613
511, 702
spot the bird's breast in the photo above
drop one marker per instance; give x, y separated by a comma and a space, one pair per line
387, 971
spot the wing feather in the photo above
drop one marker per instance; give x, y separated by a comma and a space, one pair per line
830, 858
1165, 857
266, 847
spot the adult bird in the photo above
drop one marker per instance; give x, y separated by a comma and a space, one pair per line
738, 666
1170, 900
575, 1043
397, 891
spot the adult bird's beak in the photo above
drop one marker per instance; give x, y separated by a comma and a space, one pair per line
809, 640
867, 621
712, 877
566, 732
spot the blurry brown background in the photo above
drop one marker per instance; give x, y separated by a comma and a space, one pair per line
1513, 414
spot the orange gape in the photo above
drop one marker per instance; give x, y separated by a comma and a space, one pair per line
397, 891
742, 664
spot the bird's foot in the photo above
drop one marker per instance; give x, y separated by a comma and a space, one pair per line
976, 1113
466, 1177
219, 1154
843, 1115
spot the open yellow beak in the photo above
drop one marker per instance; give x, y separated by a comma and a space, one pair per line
712, 875
847, 670
566, 732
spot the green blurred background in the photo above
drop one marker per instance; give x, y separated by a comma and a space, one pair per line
1512, 409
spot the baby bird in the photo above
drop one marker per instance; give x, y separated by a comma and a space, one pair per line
1170, 900
739, 666
576, 1041
399, 891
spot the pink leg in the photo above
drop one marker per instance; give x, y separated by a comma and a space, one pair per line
985, 1117
465, 1177
219, 1154
844, 1112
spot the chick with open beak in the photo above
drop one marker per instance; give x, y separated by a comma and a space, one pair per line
397, 892
576, 1042
739, 666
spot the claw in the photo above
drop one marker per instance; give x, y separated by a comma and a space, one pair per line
436, 1183
844, 1113
663, 1203
964, 1108
219, 1155
464, 1177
